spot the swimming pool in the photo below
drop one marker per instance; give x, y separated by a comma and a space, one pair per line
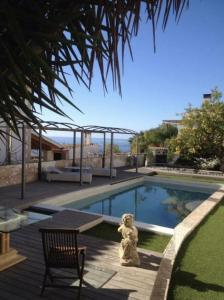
150, 202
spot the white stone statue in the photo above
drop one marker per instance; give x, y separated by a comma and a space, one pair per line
128, 248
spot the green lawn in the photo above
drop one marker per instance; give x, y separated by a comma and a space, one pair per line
199, 268
147, 240
190, 178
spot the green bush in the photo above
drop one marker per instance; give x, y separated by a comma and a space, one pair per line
186, 162
209, 164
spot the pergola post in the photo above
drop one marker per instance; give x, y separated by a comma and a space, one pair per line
23, 173
104, 150
136, 166
81, 157
40, 155
111, 153
9, 146
74, 148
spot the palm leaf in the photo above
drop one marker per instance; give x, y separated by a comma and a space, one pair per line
42, 40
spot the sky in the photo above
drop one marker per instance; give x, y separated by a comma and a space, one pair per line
188, 62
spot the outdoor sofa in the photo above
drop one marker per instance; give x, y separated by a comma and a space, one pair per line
55, 174
94, 171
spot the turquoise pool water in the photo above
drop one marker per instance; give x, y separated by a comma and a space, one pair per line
153, 203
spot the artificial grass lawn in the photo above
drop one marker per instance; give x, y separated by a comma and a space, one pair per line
199, 268
147, 240
190, 178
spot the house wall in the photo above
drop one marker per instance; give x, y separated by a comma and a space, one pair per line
88, 150
16, 147
11, 174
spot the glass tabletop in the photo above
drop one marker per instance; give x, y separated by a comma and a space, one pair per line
12, 219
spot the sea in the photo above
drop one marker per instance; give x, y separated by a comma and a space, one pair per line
123, 144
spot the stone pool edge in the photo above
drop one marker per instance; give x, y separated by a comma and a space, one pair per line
181, 232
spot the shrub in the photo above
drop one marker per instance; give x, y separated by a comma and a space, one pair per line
209, 164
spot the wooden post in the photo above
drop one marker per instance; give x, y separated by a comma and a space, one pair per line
4, 242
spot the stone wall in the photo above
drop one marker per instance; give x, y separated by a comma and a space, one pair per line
11, 148
119, 160
11, 174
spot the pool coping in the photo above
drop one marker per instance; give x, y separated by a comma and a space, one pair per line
181, 232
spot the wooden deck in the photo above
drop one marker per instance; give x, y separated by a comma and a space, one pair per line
104, 278
37, 192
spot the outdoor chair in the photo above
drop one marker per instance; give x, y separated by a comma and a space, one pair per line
61, 251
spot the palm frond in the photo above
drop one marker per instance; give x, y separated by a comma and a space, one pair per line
41, 40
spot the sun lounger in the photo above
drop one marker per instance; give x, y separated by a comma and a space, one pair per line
54, 174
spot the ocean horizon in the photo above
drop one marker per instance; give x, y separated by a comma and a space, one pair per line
123, 144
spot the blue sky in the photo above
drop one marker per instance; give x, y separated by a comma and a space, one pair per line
188, 62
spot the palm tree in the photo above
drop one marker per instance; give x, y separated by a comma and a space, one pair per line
41, 41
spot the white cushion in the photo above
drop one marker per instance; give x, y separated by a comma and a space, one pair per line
54, 170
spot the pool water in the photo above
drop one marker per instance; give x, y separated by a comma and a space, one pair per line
158, 204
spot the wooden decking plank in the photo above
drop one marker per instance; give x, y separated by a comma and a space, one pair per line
30, 289
73, 219
17, 287
137, 292
37, 281
25, 278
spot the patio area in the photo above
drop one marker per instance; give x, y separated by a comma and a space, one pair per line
104, 277
39, 191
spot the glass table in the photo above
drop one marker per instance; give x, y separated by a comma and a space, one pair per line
10, 220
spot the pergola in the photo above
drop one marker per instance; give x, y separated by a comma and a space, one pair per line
70, 127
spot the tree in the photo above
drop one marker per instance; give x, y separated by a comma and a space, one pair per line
41, 41
155, 137
202, 135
